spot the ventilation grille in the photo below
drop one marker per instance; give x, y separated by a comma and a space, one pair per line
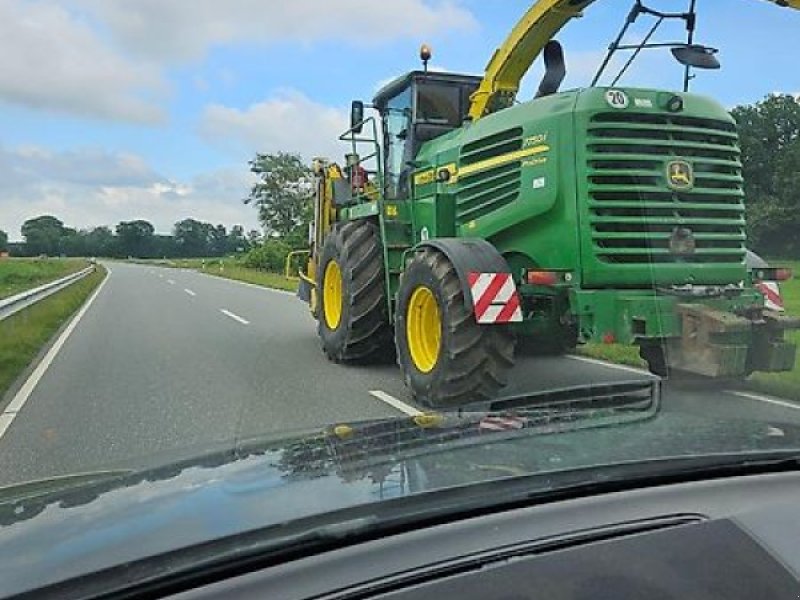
487, 187
634, 212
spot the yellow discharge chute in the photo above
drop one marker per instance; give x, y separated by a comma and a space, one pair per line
511, 61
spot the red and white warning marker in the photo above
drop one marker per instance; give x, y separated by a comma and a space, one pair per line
502, 423
495, 298
772, 295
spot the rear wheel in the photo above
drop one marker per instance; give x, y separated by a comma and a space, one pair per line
353, 317
447, 358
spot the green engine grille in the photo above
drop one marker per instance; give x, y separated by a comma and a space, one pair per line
634, 212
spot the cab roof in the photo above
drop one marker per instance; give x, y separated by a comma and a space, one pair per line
391, 89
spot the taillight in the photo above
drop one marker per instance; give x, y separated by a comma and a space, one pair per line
547, 278
772, 274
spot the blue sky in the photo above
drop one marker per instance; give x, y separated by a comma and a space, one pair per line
121, 109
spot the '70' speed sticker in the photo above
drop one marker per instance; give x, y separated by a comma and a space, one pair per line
617, 98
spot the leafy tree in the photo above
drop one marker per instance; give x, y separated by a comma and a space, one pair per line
270, 256
100, 241
136, 238
218, 240
43, 235
3, 241
192, 237
282, 193
237, 242
253, 237
73, 243
769, 133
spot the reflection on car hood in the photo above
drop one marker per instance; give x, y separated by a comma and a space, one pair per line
66, 533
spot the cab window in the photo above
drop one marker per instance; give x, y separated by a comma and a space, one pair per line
397, 131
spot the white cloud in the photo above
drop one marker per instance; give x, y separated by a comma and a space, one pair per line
119, 187
180, 30
49, 59
289, 122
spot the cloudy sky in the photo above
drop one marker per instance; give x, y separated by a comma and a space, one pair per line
119, 109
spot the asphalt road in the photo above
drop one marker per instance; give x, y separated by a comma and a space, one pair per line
167, 360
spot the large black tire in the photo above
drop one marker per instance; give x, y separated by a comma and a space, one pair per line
473, 360
363, 333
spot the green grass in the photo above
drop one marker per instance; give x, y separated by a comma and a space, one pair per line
23, 335
616, 353
255, 276
230, 269
20, 274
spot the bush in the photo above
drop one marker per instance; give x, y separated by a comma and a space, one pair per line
269, 256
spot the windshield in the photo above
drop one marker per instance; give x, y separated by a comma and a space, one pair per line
207, 253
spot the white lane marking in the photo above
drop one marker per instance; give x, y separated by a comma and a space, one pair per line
190, 292
395, 403
228, 313
602, 363
13, 408
5, 421
251, 285
762, 398
171, 281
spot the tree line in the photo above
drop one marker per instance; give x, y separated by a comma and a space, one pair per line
48, 235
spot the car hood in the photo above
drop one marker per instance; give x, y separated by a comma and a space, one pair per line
53, 534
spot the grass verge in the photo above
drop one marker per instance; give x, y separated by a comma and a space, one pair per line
20, 274
23, 335
263, 278
615, 353
229, 269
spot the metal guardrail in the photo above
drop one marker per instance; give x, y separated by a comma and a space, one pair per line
13, 304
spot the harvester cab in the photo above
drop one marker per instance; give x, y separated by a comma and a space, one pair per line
417, 108
466, 222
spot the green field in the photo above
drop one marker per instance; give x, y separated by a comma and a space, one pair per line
20, 274
23, 335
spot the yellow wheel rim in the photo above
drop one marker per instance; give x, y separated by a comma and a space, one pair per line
423, 329
332, 295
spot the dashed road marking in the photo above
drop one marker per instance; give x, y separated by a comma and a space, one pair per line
171, 281
603, 363
235, 317
767, 399
395, 403
190, 292
19, 400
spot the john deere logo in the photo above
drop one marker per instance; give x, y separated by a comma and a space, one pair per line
680, 175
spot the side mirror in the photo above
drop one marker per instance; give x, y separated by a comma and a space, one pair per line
699, 57
357, 116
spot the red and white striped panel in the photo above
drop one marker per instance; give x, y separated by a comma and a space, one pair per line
772, 295
497, 423
495, 298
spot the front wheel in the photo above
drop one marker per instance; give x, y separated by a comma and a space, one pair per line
353, 318
447, 359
